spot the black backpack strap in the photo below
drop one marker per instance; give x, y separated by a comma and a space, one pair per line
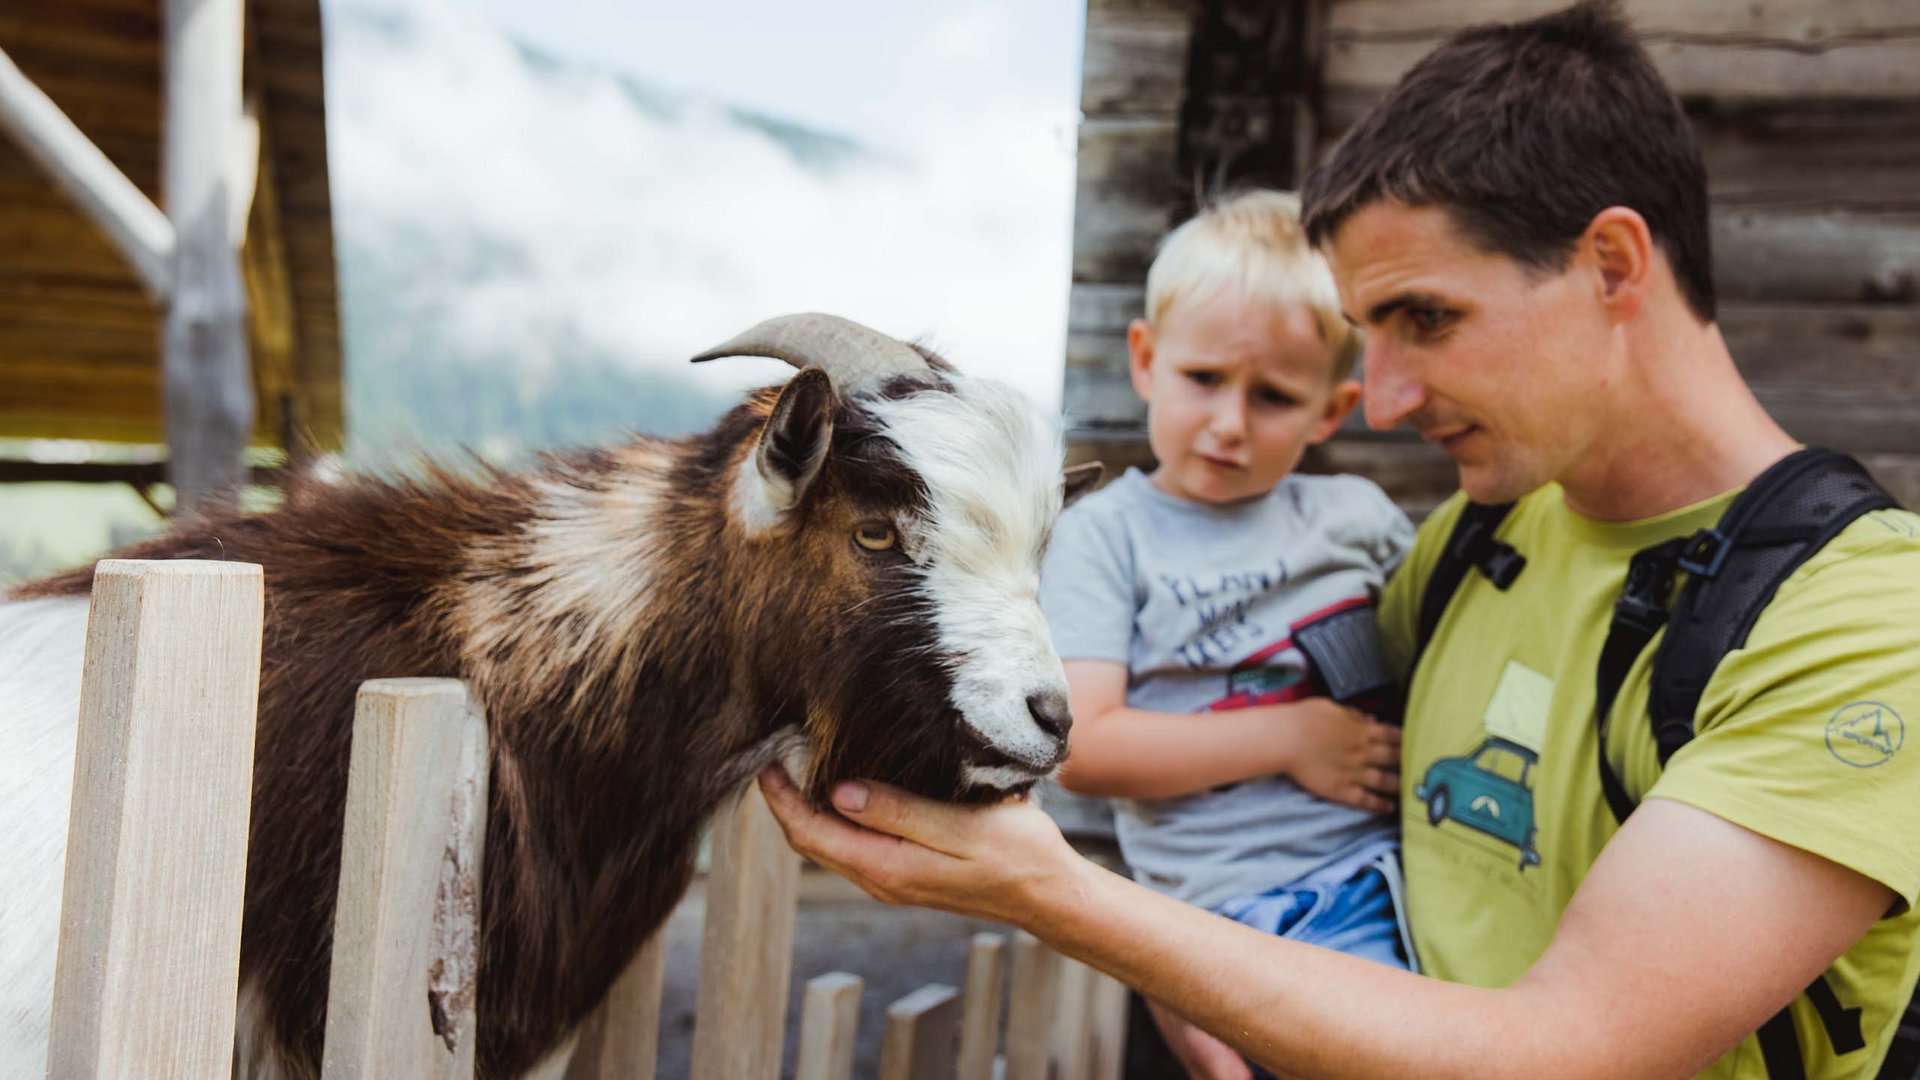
1785, 516
1470, 546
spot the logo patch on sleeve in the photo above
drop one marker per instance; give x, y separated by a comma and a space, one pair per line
1865, 734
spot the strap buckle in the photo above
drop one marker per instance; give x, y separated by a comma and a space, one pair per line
1705, 553
1642, 605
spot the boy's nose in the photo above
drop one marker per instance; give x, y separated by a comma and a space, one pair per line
1229, 417
1391, 394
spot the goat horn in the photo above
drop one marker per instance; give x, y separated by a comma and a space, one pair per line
853, 356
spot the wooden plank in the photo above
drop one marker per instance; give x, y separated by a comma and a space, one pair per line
919, 1040
119, 208
1072, 1039
1833, 257
406, 928
829, 1017
146, 981
209, 398
621, 1040
1135, 63
1031, 1001
746, 949
1109, 1022
1865, 49
980, 1012
1127, 195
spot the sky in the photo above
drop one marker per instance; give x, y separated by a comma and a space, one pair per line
658, 237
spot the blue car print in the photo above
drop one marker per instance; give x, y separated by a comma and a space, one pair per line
1486, 790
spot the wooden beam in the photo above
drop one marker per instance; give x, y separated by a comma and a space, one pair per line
406, 929
980, 1014
621, 1040
208, 379
1109, 1009
919, 1040
1030, 1008
116, 205
746, 949
829, 1017
1072, 1021
146, 982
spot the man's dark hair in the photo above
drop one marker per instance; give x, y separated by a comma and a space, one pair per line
1524, 132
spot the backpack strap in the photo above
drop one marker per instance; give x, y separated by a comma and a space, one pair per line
1470, 546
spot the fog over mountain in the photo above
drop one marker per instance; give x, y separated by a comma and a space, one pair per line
530, 246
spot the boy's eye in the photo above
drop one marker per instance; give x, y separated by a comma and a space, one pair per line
1204, 378
1277, 398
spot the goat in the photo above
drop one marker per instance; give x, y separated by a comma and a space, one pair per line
846, 566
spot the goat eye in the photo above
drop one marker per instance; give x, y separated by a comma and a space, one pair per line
876, 537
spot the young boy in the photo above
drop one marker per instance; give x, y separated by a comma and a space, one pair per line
1216, 616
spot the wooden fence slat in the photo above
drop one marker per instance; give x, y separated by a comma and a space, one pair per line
406, 928
146, 978
921, 1030
746, 948
1072, 1039
980, 1011
1030, 1008
621, 1040
1109, 1021
829, 1017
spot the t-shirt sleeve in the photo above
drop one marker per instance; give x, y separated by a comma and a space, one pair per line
1394, 538
1400, 602
1087, 586
1802, 733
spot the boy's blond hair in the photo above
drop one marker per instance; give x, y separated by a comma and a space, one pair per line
1251, 244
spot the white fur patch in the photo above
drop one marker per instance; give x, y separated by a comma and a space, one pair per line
991, 462
42, 643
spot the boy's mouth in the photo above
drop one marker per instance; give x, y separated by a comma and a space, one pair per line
1219, 462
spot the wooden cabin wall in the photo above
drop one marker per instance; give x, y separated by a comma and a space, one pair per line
1808, 114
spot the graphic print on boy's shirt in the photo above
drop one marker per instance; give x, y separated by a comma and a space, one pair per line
1333, 652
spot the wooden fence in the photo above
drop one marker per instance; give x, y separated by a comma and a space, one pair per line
148, 966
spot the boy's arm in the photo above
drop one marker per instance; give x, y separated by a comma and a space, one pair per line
1333, 751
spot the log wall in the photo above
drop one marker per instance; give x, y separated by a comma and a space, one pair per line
1808, 114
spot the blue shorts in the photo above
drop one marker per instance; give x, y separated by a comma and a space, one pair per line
1357, 916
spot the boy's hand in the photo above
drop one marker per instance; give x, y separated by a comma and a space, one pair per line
1341, 754
1203, 1056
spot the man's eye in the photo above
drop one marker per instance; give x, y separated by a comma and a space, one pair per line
1429, 320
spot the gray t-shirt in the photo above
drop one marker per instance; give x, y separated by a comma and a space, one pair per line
1220, 607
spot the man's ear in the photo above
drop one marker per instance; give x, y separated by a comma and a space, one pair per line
1140, 357
1340, 403
792, 448
1081, 479
1621, 249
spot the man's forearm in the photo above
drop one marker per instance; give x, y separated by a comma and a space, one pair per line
1305, 1011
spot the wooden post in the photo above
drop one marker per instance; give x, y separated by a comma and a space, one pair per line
1109, 1007
1030, 1008
980, 1015
1072, 1040
206, 373
921, 1029
621, 1040
406, 930
828, 1021
746, 949
147, 977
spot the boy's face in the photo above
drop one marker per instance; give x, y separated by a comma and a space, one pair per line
1505, 368
1235, 392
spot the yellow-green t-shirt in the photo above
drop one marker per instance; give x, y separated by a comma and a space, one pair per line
1800, 736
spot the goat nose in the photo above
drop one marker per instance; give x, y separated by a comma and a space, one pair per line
1049, 710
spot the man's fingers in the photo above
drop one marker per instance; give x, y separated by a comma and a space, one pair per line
860, 855
887, 809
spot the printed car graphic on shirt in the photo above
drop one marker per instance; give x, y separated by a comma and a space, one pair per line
1486, 790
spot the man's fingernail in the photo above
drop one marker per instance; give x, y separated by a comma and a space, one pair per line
850, 796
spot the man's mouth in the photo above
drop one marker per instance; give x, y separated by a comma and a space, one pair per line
1450, 439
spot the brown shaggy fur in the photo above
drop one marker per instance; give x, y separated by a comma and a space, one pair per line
616, 733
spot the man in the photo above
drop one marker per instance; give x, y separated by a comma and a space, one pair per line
1521, 229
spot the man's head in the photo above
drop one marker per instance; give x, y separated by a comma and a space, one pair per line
1243, 358
1519, 198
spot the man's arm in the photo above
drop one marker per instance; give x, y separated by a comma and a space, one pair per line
1688, 933
1336, 752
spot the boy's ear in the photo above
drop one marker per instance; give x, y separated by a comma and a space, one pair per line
1140, 357
1340, 403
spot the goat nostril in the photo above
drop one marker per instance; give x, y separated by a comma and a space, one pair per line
1049, 710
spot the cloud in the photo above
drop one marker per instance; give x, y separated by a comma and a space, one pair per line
588, 208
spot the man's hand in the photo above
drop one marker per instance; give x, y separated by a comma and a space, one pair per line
1004, 862
1341, 754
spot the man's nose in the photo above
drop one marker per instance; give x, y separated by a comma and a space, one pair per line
1392, 394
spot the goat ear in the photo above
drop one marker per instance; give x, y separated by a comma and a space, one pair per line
794, 443
1081, 479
